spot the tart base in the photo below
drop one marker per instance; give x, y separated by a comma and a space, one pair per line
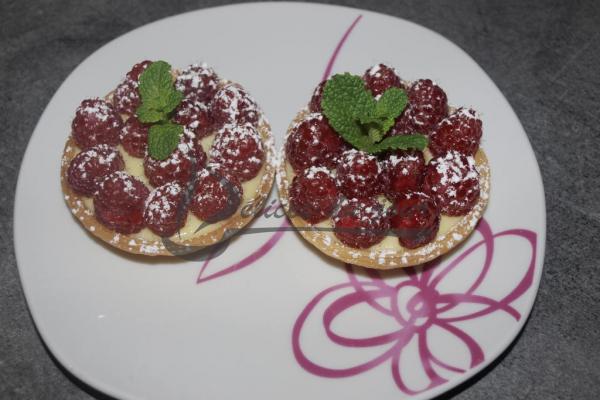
324, 239
172, 246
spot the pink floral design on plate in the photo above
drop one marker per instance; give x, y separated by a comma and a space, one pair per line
414, 306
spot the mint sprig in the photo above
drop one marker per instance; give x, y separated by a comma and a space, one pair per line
163, 139
157, 92
363, 121
159, 98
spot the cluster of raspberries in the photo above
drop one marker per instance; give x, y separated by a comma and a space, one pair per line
348, 186
206, 183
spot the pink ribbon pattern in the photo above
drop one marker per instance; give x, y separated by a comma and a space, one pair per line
415, 317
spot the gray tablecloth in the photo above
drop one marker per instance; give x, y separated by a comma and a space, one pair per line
545, 58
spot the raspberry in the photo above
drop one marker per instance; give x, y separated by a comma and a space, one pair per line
315, 102
380, 78
402, 173
360, 223
461, 132
415, 218
233, 105
239, 150
358, 174
195, 116
313, 142
178, 167
453, 181
199, 81
137, 70
404, 125
90, 166
95, 123
218, 194
427, 105
119, 202
134, 137
314, 194
166, 209
126, 97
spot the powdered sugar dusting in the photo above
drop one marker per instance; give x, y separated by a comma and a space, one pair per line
389, 253
197, 79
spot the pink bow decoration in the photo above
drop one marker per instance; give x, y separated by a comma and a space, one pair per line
414, 307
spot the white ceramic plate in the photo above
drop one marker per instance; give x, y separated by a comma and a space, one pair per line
271, 318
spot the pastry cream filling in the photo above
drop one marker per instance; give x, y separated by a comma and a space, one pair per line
390, 241
135, 167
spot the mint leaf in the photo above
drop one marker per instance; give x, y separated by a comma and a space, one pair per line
363, 121
163, 139
374, 131
391, 104
158, 94
377, 127
344, 101
402, 142
379, 119
387, 124
149, 115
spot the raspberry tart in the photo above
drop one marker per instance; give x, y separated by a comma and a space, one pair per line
380, 172
163, 164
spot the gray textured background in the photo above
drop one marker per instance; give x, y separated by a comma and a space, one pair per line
545, 58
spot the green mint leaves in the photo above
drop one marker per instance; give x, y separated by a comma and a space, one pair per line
363, 121
159, 99
158, 94
163, 139
381, 115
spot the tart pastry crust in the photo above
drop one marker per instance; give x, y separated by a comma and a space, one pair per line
324, 239
173, 246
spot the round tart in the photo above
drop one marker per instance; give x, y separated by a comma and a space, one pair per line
384, 208
170, 174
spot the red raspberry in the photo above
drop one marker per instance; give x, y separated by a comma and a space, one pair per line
233, 105
380, 78
358, 174
415, 218
90, 166
313, 142
461, 132
453, 181
201, 156
402, 173
134, 137
178, 167
404, 125
119, 202
218, 194
314, 194
166, 209
137, 70
126, 97
95, 123
239, 150
315, 102
195, 116
427, 105
199, 81
361, 223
